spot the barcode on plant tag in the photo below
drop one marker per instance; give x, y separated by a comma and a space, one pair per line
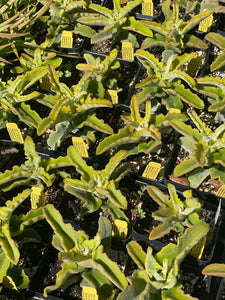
112, 95
127, 51
89, 293
193, 66
66, 39
36, 197
174, 111
147, 8
120, 229
45, 83
221, 192
205, 24
152, 170
198, 249
80, 146
14, 133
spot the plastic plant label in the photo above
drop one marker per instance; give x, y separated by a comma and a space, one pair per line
45, 83
152, 170
221, 192
14, 133
198, 249
80, 146
193, 66
127, 51
36, 197
112, 95
89, 293
205, 24
120, 229
174, 111
66, 39
217, 213
147, 8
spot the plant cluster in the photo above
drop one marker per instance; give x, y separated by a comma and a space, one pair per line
166, 101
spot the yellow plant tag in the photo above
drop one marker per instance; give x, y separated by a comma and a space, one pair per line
193, 66
174, 111
45, 83
152, 170
112, 95
221, 192
205, 24
127, 51
14, 133
80, 146
89, 293
198, 249
147, 7
120, 229
36, 197
66, 39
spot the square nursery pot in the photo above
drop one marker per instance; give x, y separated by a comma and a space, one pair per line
211, 212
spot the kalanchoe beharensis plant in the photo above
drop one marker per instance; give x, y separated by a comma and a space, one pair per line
216, 5
206, 148
103, 75
84, 259
173, 213
98, 188
116, 22
63, 15
15, 96
214, 89
140, 134
166, 80
71, 109
14, 232
157, 276
173, 34
219, 41
34, 172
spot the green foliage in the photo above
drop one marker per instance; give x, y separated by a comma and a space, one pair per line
102, 75
73, 108
214, 89
215, 5
214, 270
167, 80
206, 150
219, 41
13, 233
173, 213
34, 171
173, 33
116, 23
157, 276
98, 189
15, 95
84, 257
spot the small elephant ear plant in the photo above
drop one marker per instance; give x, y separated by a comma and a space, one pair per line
84, 260
140, 133
98, 188
206, 148
14, 232
157, 276
174, 33
116, 22
167, 80
173, 213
